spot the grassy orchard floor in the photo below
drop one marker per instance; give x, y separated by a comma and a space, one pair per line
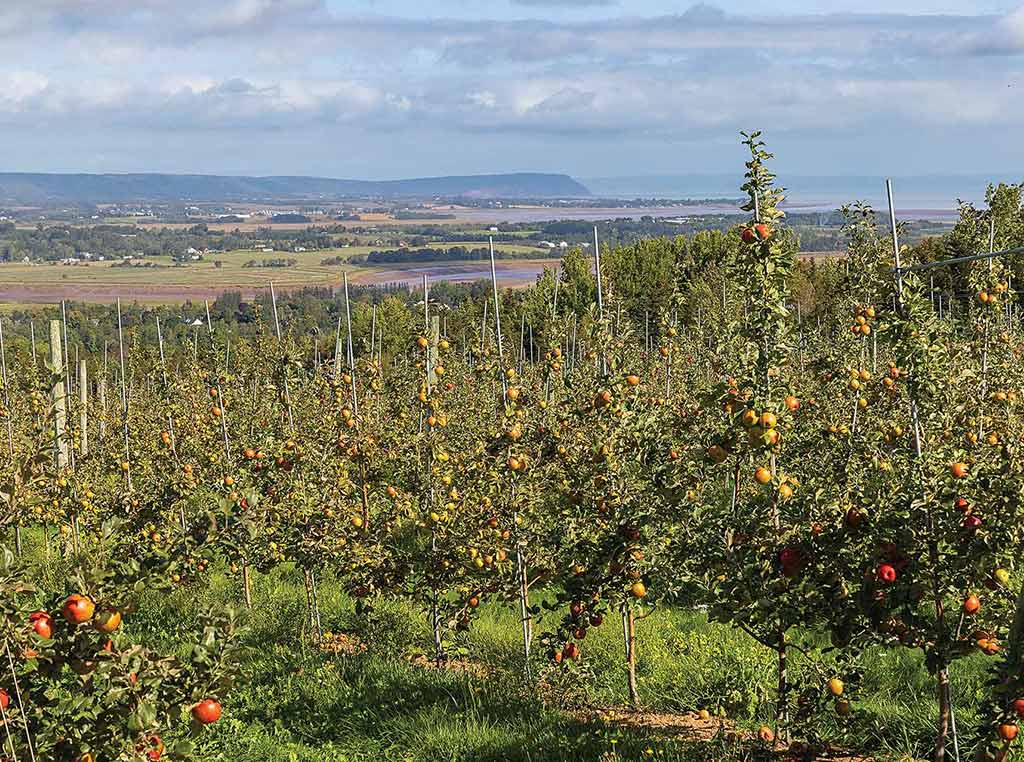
298, 703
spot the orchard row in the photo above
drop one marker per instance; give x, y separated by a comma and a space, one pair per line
858, 475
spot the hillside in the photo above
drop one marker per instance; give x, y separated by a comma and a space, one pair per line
29, 188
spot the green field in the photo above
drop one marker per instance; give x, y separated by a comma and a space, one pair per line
164, 281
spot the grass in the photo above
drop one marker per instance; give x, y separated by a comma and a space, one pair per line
299, 704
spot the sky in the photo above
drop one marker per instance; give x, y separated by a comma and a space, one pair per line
379, 89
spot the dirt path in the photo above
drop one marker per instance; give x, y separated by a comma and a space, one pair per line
691, 727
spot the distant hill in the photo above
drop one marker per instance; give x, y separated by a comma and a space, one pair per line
30, 188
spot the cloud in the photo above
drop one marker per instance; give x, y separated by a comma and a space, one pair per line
1004, 38
699, 70
567, 101
237, 71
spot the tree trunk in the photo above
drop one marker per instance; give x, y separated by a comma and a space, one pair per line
629, 632
314, 625
781, 708
942, 731
246, 585
435, 619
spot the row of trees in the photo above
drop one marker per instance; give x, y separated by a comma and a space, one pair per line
675, 431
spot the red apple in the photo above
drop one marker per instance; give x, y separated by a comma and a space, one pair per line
78, 609
886, 573
42, 623
206, 711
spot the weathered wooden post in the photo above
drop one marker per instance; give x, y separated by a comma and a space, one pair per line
58, 398
83, 407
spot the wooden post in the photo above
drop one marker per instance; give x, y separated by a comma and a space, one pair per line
83, 407
58, 397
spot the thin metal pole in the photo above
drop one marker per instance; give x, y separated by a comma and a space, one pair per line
10, 428
277, 330
21, 703
337, 350
68, 389
124, 398
520, 561
373, 329
483, 327
918, 435
991, 239
522, 340
7, 392
895, 248
351, 351
959, 260
497, 318
426, 305
600, 295
220, 394
67, 349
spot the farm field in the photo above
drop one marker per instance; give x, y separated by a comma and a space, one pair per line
163, 282
684, 499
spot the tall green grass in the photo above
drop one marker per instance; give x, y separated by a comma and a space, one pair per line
298, 704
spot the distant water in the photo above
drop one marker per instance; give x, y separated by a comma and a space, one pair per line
548, 214
917, 208
933, 197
